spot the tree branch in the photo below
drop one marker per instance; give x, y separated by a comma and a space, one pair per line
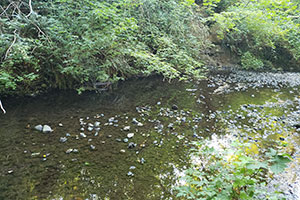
12, 44
4, 111
30, 7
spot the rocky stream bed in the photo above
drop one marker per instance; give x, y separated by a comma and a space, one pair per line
134, 142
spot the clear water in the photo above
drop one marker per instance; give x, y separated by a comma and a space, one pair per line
35, 165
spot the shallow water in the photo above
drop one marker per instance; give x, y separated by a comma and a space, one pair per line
35, 165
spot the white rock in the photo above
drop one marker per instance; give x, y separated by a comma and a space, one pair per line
130, 135
47, 129
39, 127
126, 128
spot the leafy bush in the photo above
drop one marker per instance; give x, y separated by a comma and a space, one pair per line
251, 62
76, 44
231, 173
267, 28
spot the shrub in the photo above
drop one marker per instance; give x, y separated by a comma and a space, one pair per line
234, 172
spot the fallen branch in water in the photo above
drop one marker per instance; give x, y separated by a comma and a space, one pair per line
2, 107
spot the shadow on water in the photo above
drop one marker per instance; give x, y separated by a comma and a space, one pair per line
36, 166
98, 164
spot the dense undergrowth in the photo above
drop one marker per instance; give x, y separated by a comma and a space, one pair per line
264, 34
78, 44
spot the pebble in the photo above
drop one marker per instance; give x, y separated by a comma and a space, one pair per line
69, 151
10, 171
35, 154
125, 140
142, 160
122, 151
174, 107
97, 123
132, 167
90, 128
131, 145
130, 135
47, 129
83, 135
130, 173
135, 121
63, 139
38, 127
126, 128
60, 124
92, 147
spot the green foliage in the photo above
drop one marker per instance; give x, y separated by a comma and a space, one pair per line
250, 62
231, 173
267, 28
75, 44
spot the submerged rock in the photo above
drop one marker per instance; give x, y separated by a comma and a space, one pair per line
92, 147
47, 129
39, 127
130, 135
63, 139
125, 140
131, 145
174, 107
83, 135
69, 151
130, 174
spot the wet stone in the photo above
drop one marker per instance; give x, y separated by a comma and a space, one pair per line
130, 173
174, 107
92, 147
110, 120
131, 145
63, 139
122, 151
47, 129
132, 167
135, 121
125, 140
83, 135
130, 135
38, 127
69, 151
75, 151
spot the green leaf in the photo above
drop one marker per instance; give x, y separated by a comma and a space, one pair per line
279, 164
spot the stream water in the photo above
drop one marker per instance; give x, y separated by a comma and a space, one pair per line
133, 142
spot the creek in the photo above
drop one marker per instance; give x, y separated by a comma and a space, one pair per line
133, 142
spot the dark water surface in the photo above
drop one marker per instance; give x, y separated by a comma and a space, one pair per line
35, 165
